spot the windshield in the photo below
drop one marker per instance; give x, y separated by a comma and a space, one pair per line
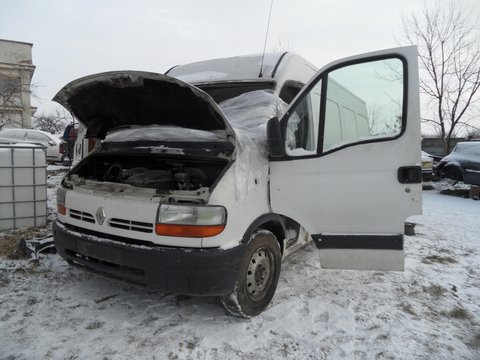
472, 148
224, 91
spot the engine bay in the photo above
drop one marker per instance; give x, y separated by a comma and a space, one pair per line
150, 172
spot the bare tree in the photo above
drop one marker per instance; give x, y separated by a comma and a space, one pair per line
53, 123
11, 90
281, 47
374, 113
449, 55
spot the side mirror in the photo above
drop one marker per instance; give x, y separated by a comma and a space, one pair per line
276, 146
51, 143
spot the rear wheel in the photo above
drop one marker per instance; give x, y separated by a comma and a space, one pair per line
257, 277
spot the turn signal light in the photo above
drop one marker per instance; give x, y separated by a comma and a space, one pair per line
61, 209
188, 230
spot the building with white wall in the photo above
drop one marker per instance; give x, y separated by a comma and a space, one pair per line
16, 71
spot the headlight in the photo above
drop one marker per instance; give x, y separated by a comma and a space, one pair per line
427, 165
190, 220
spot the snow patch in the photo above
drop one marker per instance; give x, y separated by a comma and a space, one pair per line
203, 76
49, 309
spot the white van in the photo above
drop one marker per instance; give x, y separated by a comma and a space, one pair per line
205, 194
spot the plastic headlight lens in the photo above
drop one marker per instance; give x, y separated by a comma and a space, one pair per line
192, 215
190, 221
172, 214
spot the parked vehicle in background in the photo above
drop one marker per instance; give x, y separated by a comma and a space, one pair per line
31, 136
69, 138
83, 145
205, 195
462, 164
427, 166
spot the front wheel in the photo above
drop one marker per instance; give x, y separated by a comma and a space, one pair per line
455, 173
257, 277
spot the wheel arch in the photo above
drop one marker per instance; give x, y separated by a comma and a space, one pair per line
271, 222
455, 169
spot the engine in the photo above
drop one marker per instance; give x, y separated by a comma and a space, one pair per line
151, 172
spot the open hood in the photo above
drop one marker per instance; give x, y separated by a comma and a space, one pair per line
107, 100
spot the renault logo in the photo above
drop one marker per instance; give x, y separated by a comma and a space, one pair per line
100, 215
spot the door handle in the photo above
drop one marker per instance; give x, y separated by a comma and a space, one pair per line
409, 174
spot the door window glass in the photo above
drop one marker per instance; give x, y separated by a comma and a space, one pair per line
364, 102
349, 123
333, 127
302, 125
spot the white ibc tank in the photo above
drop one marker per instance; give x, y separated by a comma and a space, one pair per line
23, 186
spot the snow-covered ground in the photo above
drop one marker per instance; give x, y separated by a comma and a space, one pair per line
430, 311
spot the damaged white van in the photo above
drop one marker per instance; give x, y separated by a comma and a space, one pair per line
206, 194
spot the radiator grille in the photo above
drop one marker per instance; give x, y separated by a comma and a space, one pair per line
81, 215
131, 225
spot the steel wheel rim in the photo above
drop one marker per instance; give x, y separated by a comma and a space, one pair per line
259, 273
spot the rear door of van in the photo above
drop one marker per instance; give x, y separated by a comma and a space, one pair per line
350, 173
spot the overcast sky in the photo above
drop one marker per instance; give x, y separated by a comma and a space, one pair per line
76, 38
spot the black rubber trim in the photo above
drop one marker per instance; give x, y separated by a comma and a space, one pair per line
173, 67
373, 242
276, 221
274, 72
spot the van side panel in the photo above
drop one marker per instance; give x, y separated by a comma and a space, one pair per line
245, 197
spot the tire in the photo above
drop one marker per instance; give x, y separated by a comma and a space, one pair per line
257, 276
454, 173
66, 162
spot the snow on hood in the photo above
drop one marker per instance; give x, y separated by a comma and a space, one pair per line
426, 156
471, 148
203, 76
465, 150
108, 100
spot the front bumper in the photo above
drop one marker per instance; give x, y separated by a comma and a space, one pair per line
190, 271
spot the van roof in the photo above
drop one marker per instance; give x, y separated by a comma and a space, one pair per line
238, 68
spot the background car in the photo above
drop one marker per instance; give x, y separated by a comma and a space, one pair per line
51, 142
462, 164
427, 166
